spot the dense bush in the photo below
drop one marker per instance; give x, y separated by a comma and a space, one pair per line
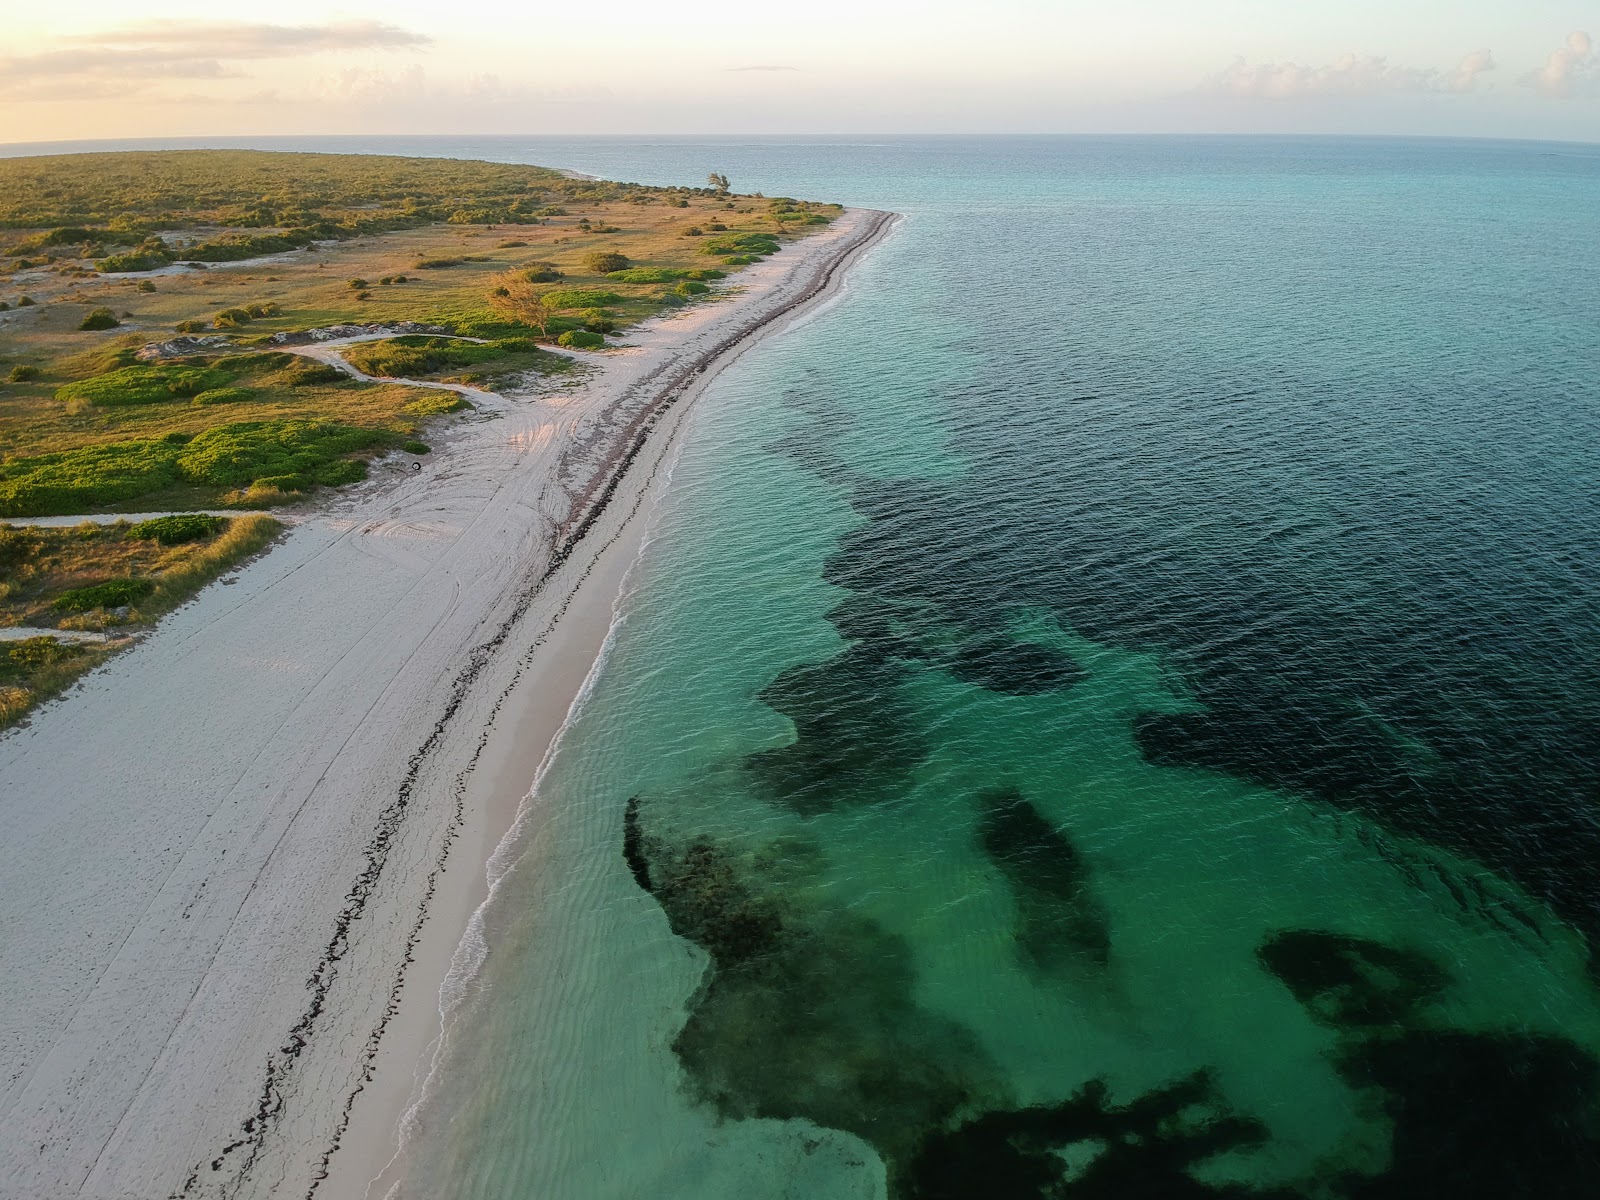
603, 262
436, 404
232, 318
691, 287
581, 339
176, 530
310, 451
541, 272
23, 373
434, 264
302, 452
191, 326
223, 395
99, 318
142, 385
580, 298
308, 372
27, 655
113, 593
742, 244
647, 275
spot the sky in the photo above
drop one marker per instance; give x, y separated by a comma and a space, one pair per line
167, 68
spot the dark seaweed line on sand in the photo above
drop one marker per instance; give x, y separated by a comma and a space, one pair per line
590, 505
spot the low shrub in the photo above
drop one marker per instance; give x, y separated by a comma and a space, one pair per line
603, 262
541, 272
691, 287
26, 302
121, 264
113, 593
267, 309
437, 264
705, 273
23, 373
436, 404
741, 244
581, 339
146, 285
191, 326
415, 447
224, 395
308, 372
142, 385
99, 318
309, 451
580, 298
647, 275
358, 285
231, 318
177, 530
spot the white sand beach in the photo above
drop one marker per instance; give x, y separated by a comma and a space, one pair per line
239, 857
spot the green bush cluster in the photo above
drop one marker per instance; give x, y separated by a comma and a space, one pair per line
99, 318
113, 593
581, 339
418, 354
179, 529
25, 656
665, 274
223, 395
580, 298
742, 245
691, 287
299, 454
23, 373
604, 262
143, 385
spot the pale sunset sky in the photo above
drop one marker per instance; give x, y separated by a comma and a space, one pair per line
1490, 68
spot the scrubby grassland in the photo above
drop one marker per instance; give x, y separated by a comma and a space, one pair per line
114, 579
513, 265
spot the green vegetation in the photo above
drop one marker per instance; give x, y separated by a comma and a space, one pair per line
113, 593
581, 339
23, 374
143, 384
222, 395
604, 262
176, 530
103, 577
412, 356
99, 318
291, 456
580, 298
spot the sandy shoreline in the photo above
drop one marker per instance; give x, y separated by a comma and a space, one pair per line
240, 857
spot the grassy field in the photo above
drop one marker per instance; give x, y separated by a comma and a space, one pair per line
111, 579
438, 242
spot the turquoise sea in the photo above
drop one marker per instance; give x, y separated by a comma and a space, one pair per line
1110, 707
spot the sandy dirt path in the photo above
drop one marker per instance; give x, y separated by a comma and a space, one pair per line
223, 848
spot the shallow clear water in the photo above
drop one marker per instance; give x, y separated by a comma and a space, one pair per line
1109, 707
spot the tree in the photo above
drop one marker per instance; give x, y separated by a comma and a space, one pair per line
718, 181
516, 299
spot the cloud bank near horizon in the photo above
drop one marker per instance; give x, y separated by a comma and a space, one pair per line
1349, 75
1070, 67
135, 59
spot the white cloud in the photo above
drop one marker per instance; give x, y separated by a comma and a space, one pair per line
1573, 70
135, 60
1351, 75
